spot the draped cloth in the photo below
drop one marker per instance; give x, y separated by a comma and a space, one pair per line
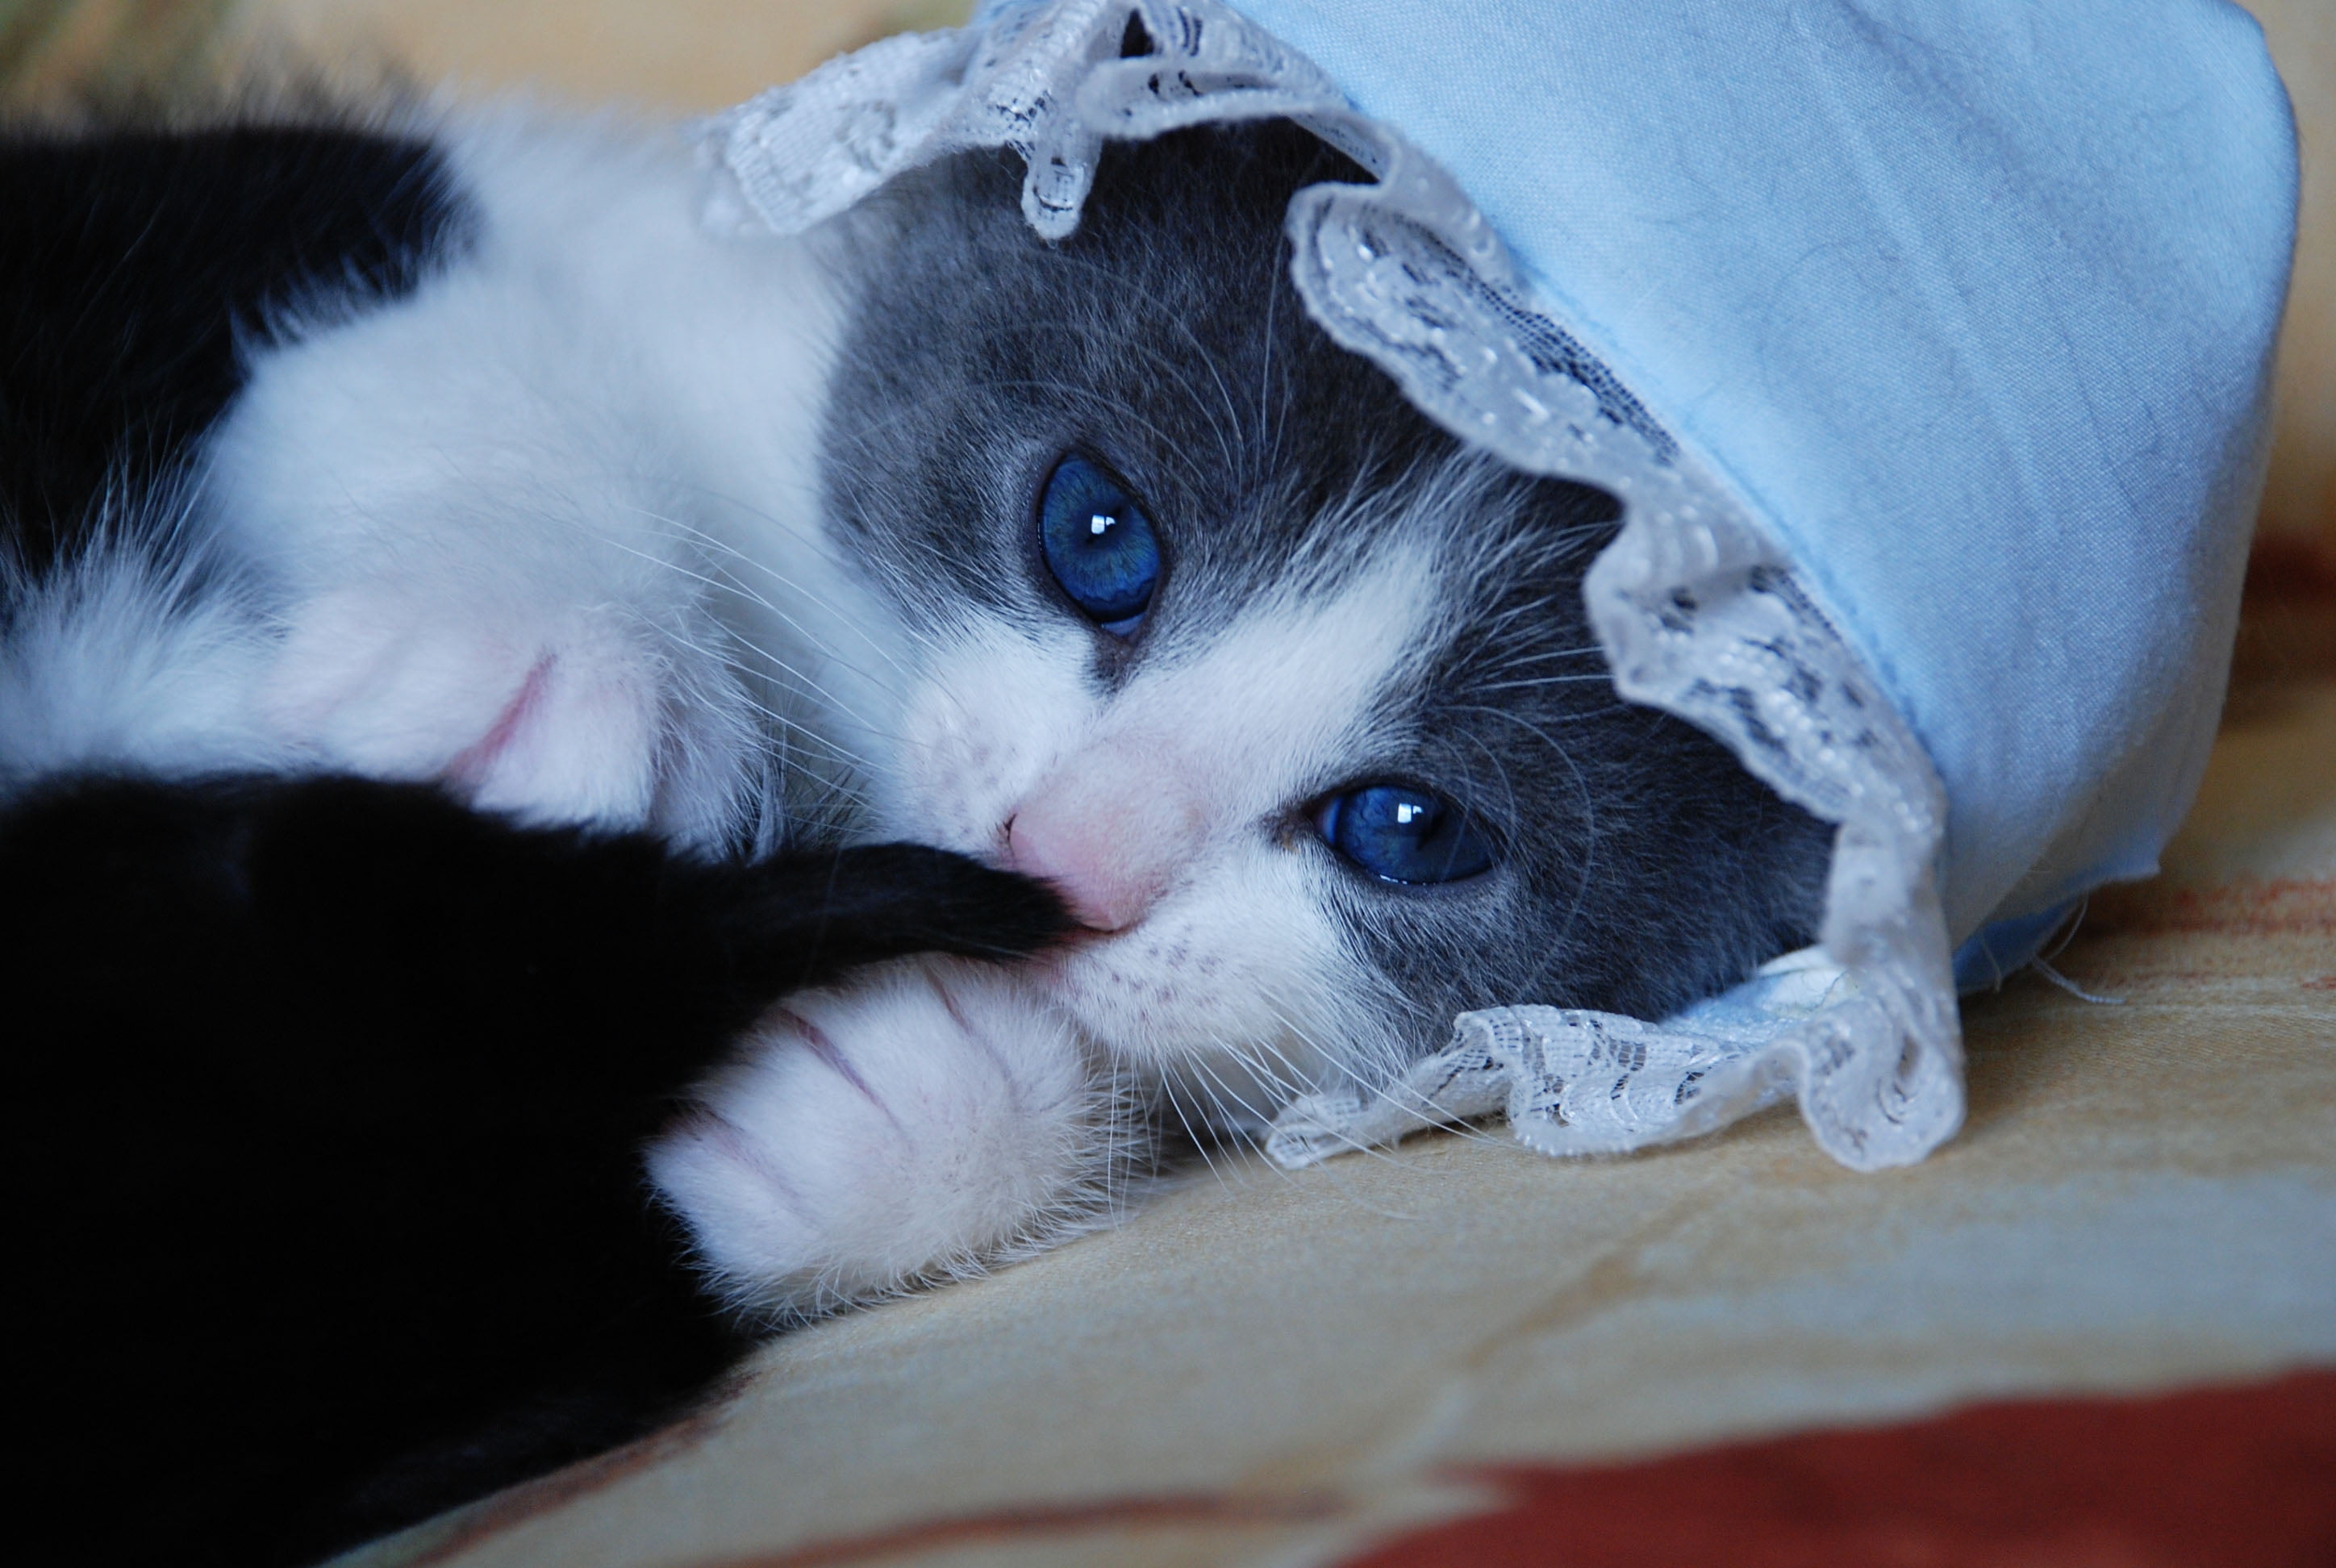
1926, 344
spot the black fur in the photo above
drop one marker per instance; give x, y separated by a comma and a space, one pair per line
328, 1103
327, 1097
133, 264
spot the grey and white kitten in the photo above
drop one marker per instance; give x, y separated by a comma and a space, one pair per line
1097, 560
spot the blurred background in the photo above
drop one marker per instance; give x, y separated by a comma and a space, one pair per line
689, 55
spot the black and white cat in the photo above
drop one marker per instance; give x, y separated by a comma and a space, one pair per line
481, 470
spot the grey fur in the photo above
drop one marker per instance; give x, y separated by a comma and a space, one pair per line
1641, 867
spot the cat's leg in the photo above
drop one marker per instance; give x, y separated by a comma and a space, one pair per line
514, 528
937, 1116
558, 711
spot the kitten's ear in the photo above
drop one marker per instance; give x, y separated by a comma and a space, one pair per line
805, 919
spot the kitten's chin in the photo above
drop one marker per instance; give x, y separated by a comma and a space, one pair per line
1171, 1011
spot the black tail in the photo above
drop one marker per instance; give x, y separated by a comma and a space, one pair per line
330, 1099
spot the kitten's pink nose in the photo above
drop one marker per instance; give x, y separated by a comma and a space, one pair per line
1108, 833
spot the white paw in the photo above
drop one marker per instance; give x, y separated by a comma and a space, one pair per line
556, 719
935, 1115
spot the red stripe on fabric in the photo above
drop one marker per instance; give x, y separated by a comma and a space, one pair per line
2211, 1478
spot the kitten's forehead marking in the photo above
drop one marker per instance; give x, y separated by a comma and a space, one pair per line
1250, 715
1284, 698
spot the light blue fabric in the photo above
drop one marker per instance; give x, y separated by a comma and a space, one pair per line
1973, 303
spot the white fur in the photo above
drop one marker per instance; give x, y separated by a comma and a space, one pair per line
936, 1115
115, 661
1237, 954
547, 530
500, 514
953, 1114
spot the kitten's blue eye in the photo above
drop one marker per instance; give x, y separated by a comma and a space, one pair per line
1401, 835
1098, 544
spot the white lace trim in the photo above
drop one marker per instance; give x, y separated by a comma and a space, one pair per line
1698, 610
